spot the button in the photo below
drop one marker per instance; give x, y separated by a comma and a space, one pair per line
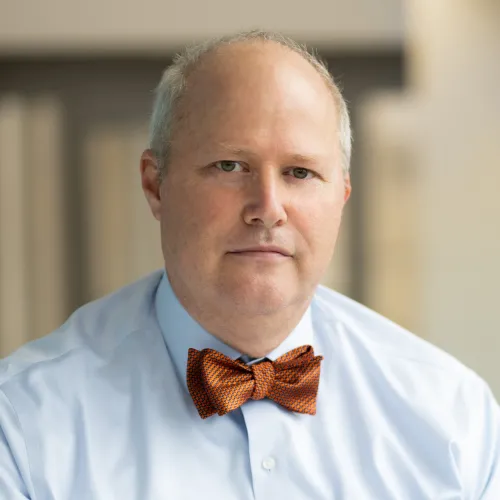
269, 463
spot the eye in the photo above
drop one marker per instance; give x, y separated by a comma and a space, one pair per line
228, 165
301, 173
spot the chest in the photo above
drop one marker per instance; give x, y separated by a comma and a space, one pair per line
137, 447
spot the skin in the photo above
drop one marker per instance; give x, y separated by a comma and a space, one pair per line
254, 161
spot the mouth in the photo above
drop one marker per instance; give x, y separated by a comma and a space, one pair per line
262, 252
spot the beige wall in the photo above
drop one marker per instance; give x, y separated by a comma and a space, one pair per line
99, 25
455, 66
435, 239
431, 178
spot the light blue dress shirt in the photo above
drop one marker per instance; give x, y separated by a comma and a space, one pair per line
99, 410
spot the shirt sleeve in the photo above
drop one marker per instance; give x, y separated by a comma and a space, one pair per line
13, 462
481, 439
492, 454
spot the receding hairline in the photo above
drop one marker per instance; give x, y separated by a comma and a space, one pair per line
213, 57
172, 87
218, 50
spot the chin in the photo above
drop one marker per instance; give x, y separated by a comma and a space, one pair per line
260, 296
260, 307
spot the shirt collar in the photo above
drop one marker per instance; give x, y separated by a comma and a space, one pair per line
181, 331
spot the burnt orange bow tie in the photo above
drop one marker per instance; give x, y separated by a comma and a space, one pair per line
219, 384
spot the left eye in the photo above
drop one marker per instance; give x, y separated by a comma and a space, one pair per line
227, 165
301, 173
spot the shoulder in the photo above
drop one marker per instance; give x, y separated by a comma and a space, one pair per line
411, 384
343, 319
94, 330
396, 366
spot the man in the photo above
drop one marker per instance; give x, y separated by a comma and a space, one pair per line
233, 374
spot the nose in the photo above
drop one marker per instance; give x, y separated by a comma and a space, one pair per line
265, 206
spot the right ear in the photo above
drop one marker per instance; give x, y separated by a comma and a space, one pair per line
150, 180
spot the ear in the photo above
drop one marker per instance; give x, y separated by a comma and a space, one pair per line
347, 187
150, 181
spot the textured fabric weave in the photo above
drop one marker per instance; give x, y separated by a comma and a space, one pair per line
219, 384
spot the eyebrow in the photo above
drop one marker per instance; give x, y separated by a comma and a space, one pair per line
294, 158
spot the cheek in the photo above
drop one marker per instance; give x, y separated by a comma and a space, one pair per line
318, 223
197, 219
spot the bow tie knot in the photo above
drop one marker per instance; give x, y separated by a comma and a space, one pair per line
264, 376
219, 384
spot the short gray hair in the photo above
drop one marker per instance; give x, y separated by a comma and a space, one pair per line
173, 83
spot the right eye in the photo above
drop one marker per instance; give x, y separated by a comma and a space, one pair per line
228, 165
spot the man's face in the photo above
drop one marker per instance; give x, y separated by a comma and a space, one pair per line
255, 165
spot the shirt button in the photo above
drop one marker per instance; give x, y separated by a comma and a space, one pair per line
269, 463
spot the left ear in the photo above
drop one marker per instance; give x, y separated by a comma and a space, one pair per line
150, 181
347, 187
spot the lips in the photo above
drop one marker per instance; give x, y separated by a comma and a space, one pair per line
264, 249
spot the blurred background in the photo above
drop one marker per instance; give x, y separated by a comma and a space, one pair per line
421, 236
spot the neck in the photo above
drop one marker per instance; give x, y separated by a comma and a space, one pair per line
253, 334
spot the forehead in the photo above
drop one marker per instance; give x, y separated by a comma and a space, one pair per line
258, 89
